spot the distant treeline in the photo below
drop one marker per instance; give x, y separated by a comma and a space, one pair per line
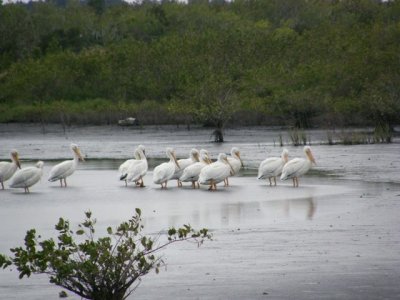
298, 63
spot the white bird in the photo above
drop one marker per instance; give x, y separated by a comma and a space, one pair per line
192, 172
298, 166
66, 168
27, 177
184, 163
123, 168
164, 172
137, 170
216, 172
272, 167
7, 169
235, 161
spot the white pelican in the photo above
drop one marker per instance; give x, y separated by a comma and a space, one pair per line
184, 163
137, 170
192, 172
216, 172
272, 167
235, 161
123, 168
66, 168
27, 177
164, 172
7, 169
298, 166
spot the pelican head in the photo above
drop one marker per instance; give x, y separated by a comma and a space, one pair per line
39, 164
136, 154
285, 155
205, 157
142, 148
77, 152
194, 155
236, 153
171, 154
307, 151
15, 158
223, 158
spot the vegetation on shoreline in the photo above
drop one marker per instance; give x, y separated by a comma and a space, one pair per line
269, 62
104, 268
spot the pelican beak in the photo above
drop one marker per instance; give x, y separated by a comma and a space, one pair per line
196, 157
144, 152
286, 158
78, 152
175, 160
241, 161
16, 159
311, 158
232, 171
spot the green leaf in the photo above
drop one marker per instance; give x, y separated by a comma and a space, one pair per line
138, 211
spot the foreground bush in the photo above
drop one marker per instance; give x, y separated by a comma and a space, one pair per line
107, 268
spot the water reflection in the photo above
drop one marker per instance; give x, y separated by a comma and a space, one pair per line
308, 207
240, 214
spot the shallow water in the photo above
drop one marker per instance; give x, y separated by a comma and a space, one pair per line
336, 236
105, 147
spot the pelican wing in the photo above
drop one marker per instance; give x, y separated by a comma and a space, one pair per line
137, 170
62, 170
192, 172
216, 172
270, 167
235, 163
7, 169
163, 172
292, 168
126, 166
26, 177
123, 168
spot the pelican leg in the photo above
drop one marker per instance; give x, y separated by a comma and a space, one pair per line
226, 181
141, 182
65, 182
61, 182
193, 185
198, 185
297, 182
294, 181
2, 185
275, 180
211, 186
270, 182
179, 183
215, 186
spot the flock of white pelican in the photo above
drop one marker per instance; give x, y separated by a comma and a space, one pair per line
198, 169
